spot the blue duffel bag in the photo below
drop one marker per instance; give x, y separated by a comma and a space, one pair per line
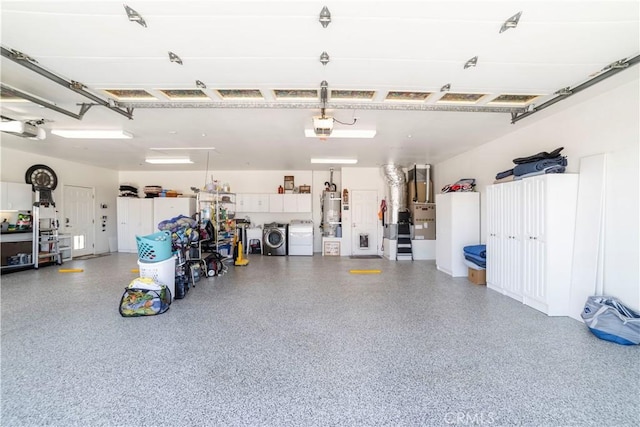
609, 319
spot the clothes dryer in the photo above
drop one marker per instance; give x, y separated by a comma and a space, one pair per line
274, 239
300, 237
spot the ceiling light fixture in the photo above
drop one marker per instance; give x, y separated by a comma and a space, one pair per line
91, 134
471, 63
341, 133
167, 161
511, 22
324, 58
200, 84
181, 148
446, 88
325, 17
134, 16
336, 161
174, 58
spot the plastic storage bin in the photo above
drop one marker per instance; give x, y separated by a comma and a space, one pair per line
163, 272
154, 247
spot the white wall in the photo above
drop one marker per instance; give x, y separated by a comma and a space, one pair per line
103, 181
607, 123
266, 182
239, 181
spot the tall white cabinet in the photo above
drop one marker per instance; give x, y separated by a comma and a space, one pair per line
170, 207
135, 217
530, 231
458, 225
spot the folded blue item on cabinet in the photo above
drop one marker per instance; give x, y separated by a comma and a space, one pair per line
539, 156
504, 174
478, 250
479, 261
473, 265
540, 165
550, 169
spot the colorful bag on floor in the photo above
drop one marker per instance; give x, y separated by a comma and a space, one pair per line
144, 297
608, 319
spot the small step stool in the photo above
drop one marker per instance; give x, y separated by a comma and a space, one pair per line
405, 251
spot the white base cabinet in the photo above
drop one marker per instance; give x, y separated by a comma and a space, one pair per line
457, 226
530, 231
135, 218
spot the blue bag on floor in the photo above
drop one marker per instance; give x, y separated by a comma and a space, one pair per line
608, 319
144, 297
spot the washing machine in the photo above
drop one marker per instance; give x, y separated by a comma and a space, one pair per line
274, 239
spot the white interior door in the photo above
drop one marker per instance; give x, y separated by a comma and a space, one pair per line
364, 222
79, 218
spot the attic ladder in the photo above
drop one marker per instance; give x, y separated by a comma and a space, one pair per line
404, 248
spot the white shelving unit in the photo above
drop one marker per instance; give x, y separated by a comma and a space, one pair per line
458, 226
17, 246
66, 246
46, 229
219, 208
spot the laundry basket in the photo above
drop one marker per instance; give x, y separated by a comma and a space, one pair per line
155, 247
163, 272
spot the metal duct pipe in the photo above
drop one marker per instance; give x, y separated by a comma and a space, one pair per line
429, 184
396, 194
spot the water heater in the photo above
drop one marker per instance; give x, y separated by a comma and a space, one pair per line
331, 204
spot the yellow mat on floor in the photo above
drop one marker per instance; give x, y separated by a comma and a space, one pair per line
365, 271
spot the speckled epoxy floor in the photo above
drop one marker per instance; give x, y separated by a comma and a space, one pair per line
299, 341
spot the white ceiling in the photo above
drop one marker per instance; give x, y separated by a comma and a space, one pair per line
373, 45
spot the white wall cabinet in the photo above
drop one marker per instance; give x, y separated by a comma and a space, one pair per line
135, 217
252, 202
290, 203
275, 203
16, 196
297, 203
303, 202
169, 207
458, 225
530, 240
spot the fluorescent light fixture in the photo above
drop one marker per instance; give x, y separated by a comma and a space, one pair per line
181, 148
343, 133
92, 134
336, 161
168, 161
